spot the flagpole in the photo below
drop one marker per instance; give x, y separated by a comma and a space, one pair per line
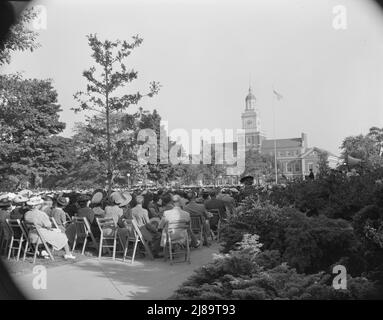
275, 140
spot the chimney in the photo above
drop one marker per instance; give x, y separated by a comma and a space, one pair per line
304, 140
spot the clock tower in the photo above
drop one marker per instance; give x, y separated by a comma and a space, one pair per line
251, 123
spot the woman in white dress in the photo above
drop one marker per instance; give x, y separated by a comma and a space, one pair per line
57, 239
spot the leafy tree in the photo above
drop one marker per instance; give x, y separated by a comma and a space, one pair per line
102, 94
19, 37
29, 123
259, 165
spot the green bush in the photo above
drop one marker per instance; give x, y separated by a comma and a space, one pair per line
249, 273
309, 244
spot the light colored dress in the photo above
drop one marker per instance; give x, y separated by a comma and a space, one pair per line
57, 239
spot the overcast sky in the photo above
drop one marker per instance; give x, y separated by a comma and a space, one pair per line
203, 53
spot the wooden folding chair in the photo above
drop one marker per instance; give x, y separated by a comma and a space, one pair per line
83, 231
172, 229
216, 217
196, 224
18, 237
107, 224
31, 227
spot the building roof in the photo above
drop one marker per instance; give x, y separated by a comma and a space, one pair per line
282, 143
250, 95
308, 151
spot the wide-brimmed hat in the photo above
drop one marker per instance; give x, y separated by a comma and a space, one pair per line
26, 193
5, 202
34, 201
127, 198
246, 178
20, 199
62, 201
97, 197
116, 197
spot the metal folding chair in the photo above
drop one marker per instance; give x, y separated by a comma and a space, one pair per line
135, 238
106, 225
31, 227
18, 237
172, 229
83, 231
196, 224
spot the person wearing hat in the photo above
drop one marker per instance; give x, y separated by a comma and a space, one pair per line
40, 219
47, 205
96, 204
140, 214
177, 215
58, 213
5, 211
21, 208
83, 210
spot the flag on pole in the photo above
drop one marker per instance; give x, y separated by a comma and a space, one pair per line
277, 94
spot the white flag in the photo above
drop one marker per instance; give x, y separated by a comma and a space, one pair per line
277, 94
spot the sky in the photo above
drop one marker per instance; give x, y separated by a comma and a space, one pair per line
205, 54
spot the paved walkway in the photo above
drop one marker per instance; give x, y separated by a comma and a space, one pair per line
108, 279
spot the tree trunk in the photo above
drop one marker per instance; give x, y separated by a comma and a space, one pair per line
108, 147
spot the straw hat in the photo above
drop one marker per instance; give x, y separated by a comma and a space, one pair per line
127, 198
62, 201
20, 199
35, 201
5, 202
97, 197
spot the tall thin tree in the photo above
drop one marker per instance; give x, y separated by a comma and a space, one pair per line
100, 95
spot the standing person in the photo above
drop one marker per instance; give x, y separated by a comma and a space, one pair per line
58, 213
41, 220
311, 175
214, 203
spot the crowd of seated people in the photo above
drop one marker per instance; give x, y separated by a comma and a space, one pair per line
151, 210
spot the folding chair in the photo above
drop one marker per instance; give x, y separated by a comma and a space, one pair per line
18, 236
196, 224
178, 228
83, 231
148, 251
54, 223
4, 237
132, 238
68, 219
216, 217
31, 227
107, 224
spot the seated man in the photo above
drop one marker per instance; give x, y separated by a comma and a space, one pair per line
198, 210
177, 215
215, 203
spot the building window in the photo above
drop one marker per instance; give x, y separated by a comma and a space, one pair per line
288, 153
311, 166
289, 167
297, 167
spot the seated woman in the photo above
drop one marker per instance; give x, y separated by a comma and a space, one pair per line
58, 240
58, 212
